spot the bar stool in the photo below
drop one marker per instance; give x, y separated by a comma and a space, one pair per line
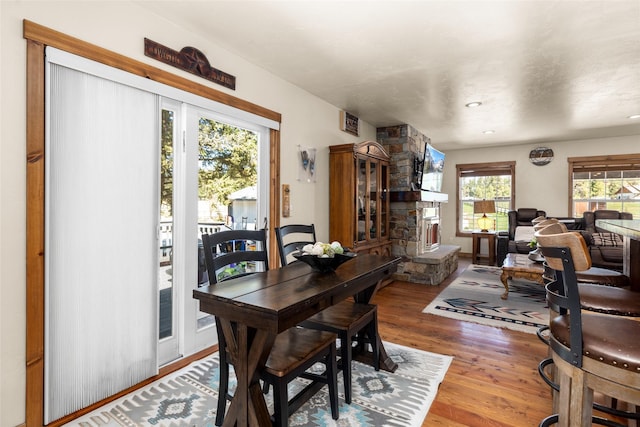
593, 275
589, 351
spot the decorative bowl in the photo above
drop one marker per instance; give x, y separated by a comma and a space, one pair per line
324, 265
536, 256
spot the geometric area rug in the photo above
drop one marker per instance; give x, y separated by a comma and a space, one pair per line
188, 397
474, 296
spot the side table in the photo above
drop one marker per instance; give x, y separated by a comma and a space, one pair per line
491, 241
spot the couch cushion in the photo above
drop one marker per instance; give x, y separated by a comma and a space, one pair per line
523, 233
605, 239
525, 215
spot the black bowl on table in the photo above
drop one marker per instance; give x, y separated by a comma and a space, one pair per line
324, 265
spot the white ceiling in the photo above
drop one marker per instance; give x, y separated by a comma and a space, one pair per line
543, 70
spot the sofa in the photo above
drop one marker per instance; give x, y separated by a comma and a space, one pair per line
520, 232
506, 240
605, 247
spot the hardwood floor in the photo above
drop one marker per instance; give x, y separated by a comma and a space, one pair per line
493, 379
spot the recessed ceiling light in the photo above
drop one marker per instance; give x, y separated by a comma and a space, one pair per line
489, 131
473, 104
634, 116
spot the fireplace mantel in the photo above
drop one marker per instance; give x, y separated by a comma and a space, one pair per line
419, 196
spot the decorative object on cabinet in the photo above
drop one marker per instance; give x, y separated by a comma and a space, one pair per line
359, 197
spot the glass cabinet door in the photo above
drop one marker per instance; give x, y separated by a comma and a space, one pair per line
373, 200
384, 200
362, 201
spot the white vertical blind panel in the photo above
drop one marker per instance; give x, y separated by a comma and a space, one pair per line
102, 212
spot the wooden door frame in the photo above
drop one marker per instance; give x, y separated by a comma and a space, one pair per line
38, 38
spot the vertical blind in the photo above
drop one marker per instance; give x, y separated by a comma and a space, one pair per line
102, 157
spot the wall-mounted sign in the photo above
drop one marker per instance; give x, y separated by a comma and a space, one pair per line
541, 156
348, 123
190, 60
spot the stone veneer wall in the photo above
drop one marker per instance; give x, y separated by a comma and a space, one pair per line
403, 144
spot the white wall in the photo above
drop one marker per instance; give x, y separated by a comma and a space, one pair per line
542, 187
121, 27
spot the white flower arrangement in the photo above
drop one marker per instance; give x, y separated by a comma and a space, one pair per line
323, 250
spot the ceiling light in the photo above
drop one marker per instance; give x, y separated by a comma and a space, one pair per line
634, 116
489, 131
473, 104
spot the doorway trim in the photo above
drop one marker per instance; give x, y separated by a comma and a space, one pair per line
38, 38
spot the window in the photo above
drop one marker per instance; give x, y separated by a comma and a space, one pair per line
605, 182
484, 181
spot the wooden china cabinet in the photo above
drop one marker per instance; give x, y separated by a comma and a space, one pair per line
359, 197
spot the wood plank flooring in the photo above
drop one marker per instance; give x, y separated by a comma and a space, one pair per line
493, 379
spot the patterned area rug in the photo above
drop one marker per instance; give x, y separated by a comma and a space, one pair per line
475, 297
188, 397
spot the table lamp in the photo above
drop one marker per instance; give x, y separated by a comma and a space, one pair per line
484, 207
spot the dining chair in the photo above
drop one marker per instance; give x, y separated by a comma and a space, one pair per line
354, 323
235, 253
293, 237
590, 351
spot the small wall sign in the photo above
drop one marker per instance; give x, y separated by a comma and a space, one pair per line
541, 156
348, 123
190, 60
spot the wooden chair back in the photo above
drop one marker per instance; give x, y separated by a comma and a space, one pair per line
573, 242
292, 238
234, 253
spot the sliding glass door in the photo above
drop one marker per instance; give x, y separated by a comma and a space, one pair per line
210, 181
135, 172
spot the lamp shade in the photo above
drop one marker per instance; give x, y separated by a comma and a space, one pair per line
484, 206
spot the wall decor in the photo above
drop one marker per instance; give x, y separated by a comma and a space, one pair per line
541, 156
349, 123
190, 60
306, 164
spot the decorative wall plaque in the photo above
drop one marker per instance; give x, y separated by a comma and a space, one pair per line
541, 156
190, 60
348, 123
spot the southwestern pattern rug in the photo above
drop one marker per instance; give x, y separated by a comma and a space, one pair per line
475, 297
189, 397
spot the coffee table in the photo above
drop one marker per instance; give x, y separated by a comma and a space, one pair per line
519, 266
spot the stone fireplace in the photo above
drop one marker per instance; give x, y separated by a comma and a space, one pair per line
415, 215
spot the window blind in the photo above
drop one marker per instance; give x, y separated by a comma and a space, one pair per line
101, 216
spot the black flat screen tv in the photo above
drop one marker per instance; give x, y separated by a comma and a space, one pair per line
432, 167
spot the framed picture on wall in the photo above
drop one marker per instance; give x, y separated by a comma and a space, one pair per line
349, 123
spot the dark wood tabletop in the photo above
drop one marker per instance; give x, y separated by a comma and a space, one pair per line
254, 309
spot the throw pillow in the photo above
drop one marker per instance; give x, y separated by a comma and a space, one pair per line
606, 239
523, 233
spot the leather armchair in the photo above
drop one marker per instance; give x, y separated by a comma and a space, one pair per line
506, 239
606, 248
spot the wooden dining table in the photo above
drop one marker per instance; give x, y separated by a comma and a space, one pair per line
253, 309
630, 230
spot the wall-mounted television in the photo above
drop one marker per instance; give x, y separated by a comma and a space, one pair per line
432, 167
